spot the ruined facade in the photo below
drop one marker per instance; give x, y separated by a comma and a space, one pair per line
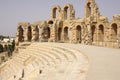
93, 29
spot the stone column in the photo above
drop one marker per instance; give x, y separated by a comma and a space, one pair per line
53, 33
40, 33
17, 36
97, 38
62, 38
33, 33
119, 36
106, 37
73, 36
72, 14
17, 39
89, 34
110, 38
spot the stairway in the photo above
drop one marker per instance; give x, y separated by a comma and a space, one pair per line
46, 61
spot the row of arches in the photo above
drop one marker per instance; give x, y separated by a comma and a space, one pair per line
66, 13
67, 32
26, 33
98, 33
63, 33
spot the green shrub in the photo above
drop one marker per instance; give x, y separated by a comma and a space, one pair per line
1, 48
13, 45
9, 50
5, 48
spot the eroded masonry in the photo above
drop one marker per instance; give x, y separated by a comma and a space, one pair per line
93, 29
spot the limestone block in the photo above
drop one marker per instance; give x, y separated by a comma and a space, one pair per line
103, 19
116, 17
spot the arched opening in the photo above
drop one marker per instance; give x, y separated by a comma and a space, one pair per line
78, 35
101, 33
66, 13
50, 22
55, 13
66, 34
37, 32
47, 33
114, 32
89, 9
29, 33
93, 28
59, 33
20, 34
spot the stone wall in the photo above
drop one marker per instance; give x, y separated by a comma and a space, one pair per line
93, 29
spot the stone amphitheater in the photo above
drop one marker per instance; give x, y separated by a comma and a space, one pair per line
56, 61
67, 49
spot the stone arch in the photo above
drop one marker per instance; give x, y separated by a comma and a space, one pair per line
114, 32
68, 14
29, 33
39, 30
50, 22
101, 33
20, 33
93, 31
89, 9
66, 34
90, 4
55, 14
79, 33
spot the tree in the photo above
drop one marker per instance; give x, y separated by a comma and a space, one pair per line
13, 45
1, 48
1, 37
5, 48
9, 50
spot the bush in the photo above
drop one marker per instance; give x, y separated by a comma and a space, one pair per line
9, 50
5, 48
1, 48
13, 45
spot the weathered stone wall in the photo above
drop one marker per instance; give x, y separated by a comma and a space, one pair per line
93, 29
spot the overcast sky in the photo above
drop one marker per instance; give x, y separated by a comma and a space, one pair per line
14, 11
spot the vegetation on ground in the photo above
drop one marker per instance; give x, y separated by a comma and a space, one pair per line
9, 48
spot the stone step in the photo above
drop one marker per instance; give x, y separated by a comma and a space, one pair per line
46, 61
48, 48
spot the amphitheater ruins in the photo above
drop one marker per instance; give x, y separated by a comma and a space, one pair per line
93, 29
43, 49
